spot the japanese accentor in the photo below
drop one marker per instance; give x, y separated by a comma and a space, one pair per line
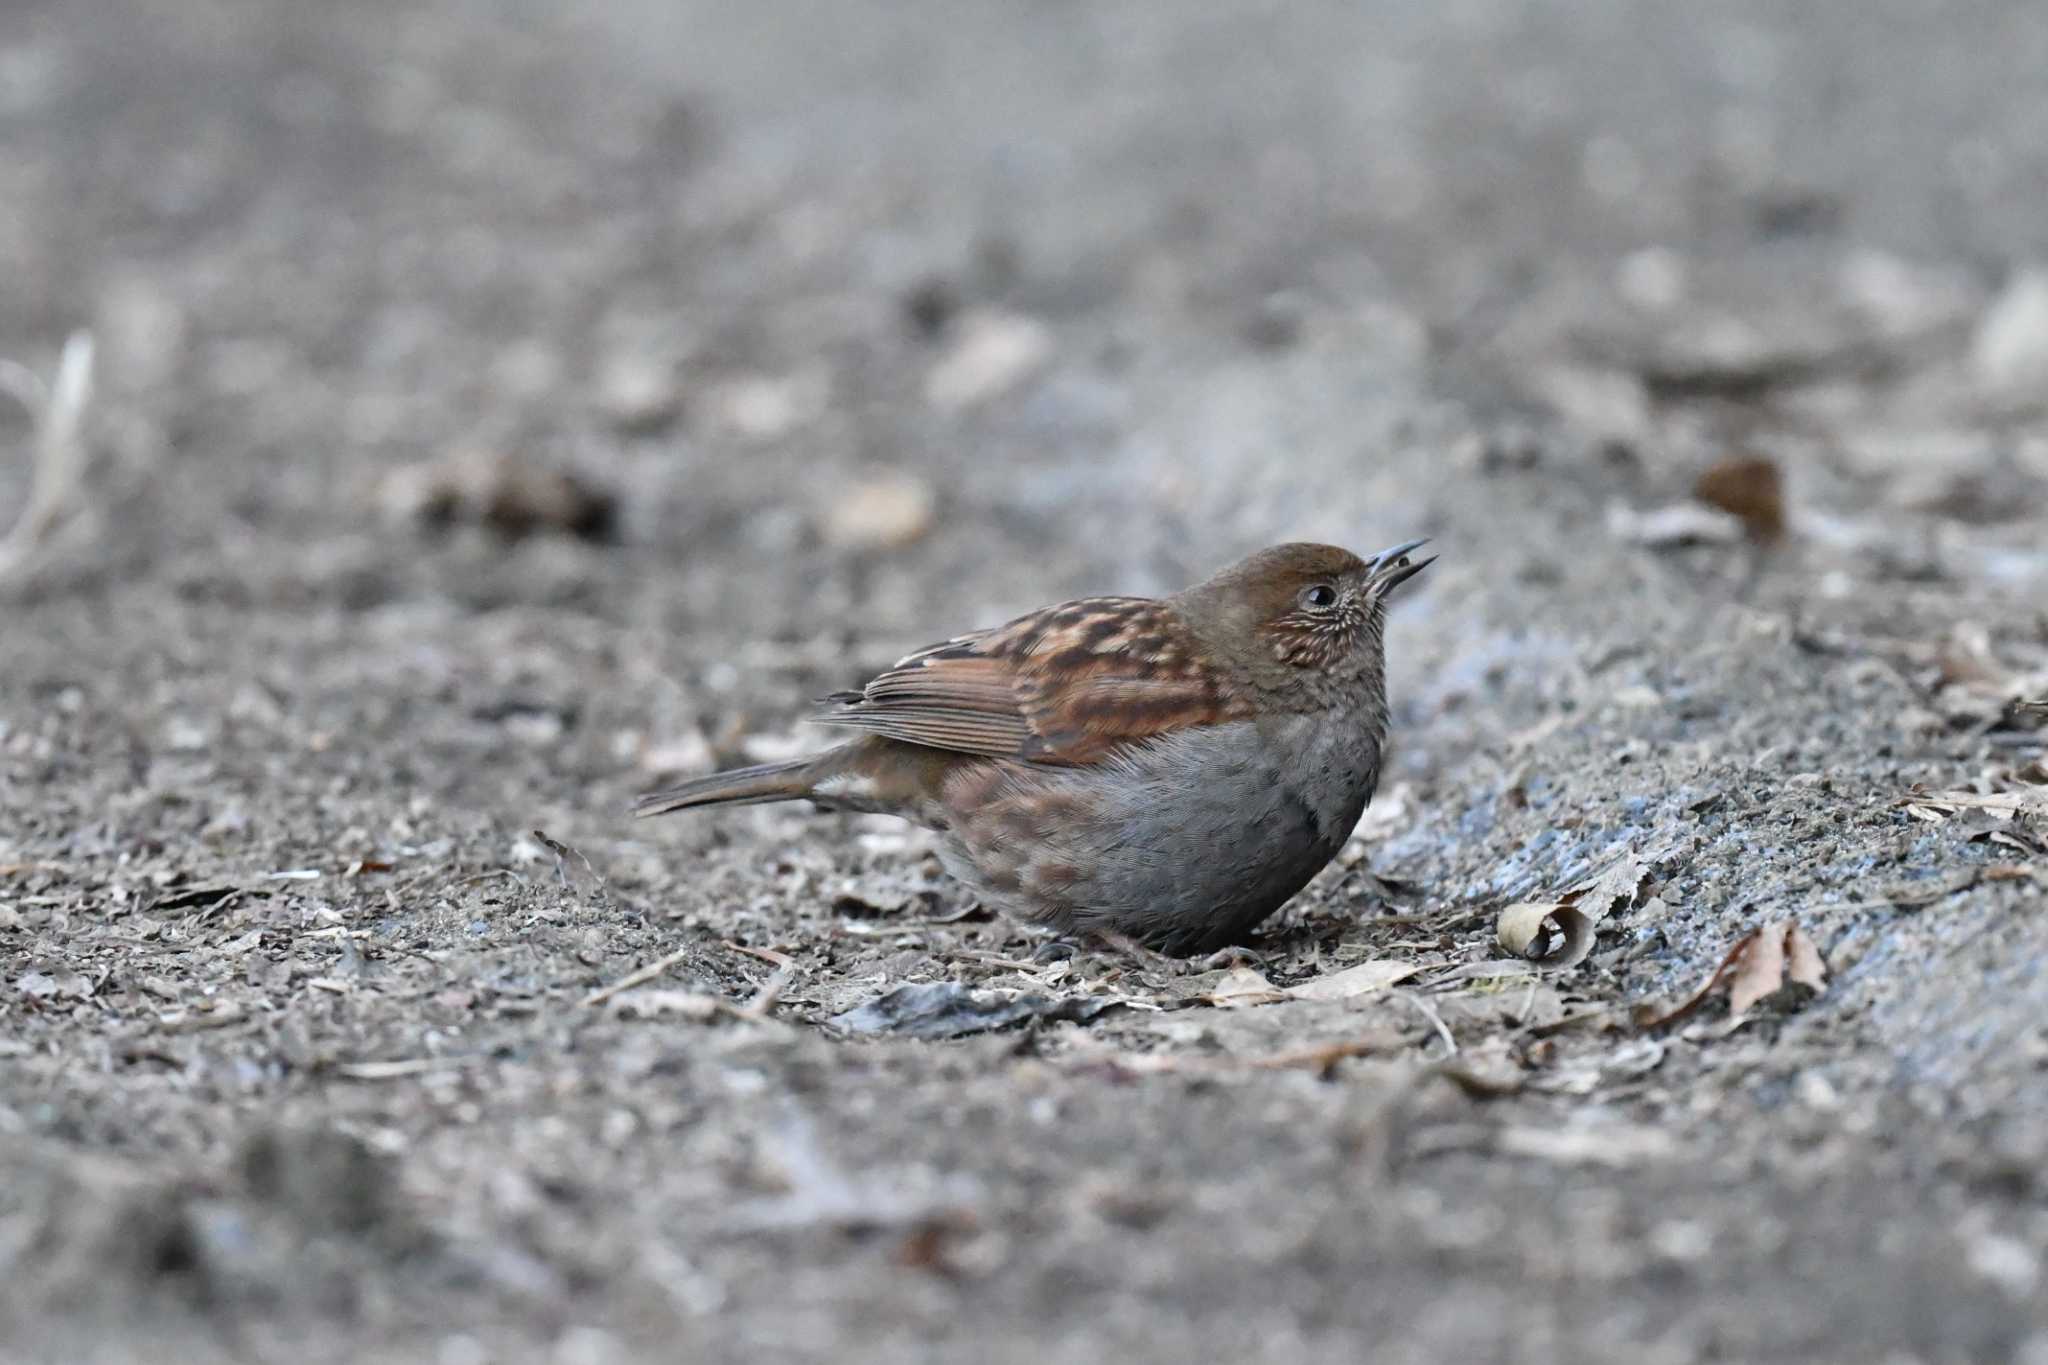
1170, 769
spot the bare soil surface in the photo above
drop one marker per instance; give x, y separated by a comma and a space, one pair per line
344, 1015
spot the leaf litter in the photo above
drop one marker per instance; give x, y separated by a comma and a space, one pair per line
1760, 965
1558, 934
949, 1009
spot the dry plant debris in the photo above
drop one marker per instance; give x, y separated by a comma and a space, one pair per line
1558, 934
1755, 969
1242, 986
948, 1009
504, 493
2018, 794
1749, 488
57, 451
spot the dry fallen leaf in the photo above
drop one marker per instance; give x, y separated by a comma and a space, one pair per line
63, 984
1363, 979
1748, 487
1553, 934
1803, 961
1936, 806
1754, 969
1559, 934
1243, 986
1759, 971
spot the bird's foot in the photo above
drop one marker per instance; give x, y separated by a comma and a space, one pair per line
1126, 946
1236, 955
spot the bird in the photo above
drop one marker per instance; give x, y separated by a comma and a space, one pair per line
1162, 771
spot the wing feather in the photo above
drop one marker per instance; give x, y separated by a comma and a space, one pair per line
1066, 685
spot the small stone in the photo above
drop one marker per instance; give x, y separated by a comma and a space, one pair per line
686, 755
1609, 405
638, 393
1902, 298
1683, 523
886, 512
1653, 279
765, 407
995, 353
930, 306
145, 330
2011, 347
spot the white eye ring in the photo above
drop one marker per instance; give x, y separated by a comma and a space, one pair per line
1319, 597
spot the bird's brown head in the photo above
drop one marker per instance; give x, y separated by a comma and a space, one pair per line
1306, 606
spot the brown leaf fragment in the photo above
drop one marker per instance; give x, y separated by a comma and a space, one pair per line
1759, 971
1552, 934
1948, 803
1749, 487
1753, 970
1618, 884
1803, 962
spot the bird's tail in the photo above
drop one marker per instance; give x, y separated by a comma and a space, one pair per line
790, 781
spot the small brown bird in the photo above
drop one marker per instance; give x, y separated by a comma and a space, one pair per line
1171, 770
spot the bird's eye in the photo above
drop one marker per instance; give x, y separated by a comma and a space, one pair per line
1318, 596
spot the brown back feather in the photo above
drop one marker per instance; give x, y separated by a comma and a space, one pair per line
1066, 685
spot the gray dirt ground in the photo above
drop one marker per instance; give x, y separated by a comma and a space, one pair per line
886, 320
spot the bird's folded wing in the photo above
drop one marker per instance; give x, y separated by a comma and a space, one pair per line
1066, 685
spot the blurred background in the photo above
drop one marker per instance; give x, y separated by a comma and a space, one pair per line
500, 408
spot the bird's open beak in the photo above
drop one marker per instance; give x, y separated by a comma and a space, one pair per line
1391, 568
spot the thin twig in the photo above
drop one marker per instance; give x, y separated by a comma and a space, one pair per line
1319, 1057
59, 413
562, 853
767, 955
1428, 1011
639, 976
395, 1070
765, 999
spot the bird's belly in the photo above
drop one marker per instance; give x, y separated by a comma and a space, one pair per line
1183, 843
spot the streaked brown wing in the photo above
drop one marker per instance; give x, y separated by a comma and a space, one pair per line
1065, 685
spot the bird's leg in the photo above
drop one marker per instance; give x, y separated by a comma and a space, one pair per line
1130, 947
1236, 955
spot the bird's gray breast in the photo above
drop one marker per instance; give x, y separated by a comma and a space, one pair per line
1223, 824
